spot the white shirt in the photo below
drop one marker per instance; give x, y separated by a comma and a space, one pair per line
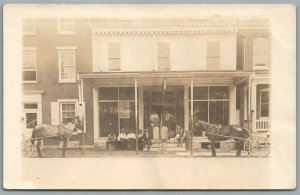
131, 136
122, 136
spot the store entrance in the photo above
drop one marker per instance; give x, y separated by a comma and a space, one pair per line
157, 102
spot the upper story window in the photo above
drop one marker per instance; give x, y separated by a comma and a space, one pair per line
260, 53
28, 26
29, 66
114, 56
213, 55
67, 66
163, 49
67, 111
66, 26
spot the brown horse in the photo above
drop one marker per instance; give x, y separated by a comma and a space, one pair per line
216, 132
60, 132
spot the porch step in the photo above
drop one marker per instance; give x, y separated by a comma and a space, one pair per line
170, 149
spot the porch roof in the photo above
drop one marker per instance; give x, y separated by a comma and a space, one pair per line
147, 78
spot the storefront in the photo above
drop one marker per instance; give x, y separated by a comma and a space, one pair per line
125, 100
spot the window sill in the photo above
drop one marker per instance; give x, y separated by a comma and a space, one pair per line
29, 82
67, 82
65, 33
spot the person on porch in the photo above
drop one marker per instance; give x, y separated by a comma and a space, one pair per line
148, 137
131, 140
111, 140
141, 140
122, 140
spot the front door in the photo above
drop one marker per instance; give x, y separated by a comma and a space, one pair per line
157, 103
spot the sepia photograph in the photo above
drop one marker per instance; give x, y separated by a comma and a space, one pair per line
111, 87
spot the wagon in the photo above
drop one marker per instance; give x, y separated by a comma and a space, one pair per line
258, 145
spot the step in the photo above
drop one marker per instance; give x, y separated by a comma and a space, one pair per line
177, 149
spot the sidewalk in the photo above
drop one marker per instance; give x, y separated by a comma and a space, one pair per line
94, 153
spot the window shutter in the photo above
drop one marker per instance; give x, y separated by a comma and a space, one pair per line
54, 113
80, 111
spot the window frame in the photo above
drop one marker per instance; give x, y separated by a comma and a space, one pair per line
66, 49
159, 56
33, 24
266, 54
63, 32
33, 51
209, 100
66, 101
260, 103
114, 58
213, 57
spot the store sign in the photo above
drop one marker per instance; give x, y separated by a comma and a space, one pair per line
124, 110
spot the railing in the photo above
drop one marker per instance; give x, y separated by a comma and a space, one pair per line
263, 125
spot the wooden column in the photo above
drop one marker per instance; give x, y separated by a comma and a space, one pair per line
186, 107
232, 104
141, 107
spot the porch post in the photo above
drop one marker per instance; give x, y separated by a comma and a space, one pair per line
232, 105
192, 114
84, 130
96, 113
253, 106
136, 116
141, 107
186, 107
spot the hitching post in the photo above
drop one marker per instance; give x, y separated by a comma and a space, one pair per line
136, 118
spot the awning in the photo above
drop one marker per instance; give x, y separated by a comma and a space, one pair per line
150, 78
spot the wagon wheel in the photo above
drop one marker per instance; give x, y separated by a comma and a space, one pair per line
27, 147
263, 146
257, 147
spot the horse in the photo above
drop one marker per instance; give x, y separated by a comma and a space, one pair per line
60, 132
215, 132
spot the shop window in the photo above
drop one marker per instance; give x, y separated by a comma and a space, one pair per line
260, 52
116, 109
163, 55
213, 55
114, 56
29, 66
67, 67
66, 26
210, 104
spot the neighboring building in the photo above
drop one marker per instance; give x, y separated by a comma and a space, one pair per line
219, 67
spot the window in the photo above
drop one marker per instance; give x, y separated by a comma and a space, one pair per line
114, 56
66, 26
29, 66
264, 103
28, 27
163, 55
116, 109
31, 113
213, 55
67, 68
260, 52
67, 112
210, 104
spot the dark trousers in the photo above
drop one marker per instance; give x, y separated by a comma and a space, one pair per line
122, 144
112, 143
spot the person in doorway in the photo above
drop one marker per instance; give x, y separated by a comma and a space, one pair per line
111, 140
131, 140
122, 140
154, 122
180, 136
168, 120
